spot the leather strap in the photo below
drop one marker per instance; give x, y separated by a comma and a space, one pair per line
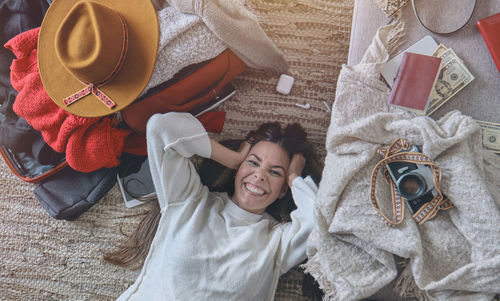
442, 33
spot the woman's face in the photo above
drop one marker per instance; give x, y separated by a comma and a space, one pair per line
261, 178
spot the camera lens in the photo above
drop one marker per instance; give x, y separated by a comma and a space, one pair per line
411, 186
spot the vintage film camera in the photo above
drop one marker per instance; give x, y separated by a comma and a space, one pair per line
414, 181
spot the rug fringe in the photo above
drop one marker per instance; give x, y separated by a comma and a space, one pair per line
385, 42
313, 268
390, 7
406, 286
396, 36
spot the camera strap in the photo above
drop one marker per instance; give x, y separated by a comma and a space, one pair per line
393, 154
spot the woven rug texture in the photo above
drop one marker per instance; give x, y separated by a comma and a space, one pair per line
46, 259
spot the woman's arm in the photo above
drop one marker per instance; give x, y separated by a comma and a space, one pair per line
295, 168
296, 232
172, 138
229, 158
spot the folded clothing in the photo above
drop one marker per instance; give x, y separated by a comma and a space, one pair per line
187, 92
89, 143
239, 29
17, 16
184, 41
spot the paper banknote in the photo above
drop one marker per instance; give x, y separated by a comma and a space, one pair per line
491, 135
453, 76
445, 53
439, 50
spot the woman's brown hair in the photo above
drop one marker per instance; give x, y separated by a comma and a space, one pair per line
292, 138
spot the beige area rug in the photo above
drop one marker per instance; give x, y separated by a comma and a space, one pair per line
45, 259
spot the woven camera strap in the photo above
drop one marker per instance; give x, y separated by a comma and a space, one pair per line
393, 154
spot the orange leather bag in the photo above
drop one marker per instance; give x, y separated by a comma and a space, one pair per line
199, 87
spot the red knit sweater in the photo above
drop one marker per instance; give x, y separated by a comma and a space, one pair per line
89, 143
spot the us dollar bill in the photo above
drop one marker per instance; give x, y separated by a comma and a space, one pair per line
452, 77
446, 53
491, 135
439, 50
450, 54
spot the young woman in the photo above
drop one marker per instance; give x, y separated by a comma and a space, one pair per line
215, 245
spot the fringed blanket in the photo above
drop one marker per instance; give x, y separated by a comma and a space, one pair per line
455, 255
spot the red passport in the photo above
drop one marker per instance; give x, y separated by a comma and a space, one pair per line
490, 30
414, 82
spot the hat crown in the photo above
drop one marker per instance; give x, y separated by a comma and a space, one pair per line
83, 41
90, 41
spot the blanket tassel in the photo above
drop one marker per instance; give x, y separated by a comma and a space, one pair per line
406, 286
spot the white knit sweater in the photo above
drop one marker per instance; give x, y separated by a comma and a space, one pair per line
184, 40
206, 247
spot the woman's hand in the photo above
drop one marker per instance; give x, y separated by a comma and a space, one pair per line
229, 158
295, 168
242, 153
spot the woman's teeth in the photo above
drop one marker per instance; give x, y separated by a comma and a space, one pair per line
254, 189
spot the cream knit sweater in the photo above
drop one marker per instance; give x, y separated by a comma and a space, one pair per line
193, 31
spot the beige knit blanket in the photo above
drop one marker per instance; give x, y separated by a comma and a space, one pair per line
456, 255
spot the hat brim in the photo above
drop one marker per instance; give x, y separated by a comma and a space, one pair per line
143, 31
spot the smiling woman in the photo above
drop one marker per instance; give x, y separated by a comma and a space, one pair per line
221, 245
261, 178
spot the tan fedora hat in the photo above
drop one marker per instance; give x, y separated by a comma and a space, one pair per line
96, 57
